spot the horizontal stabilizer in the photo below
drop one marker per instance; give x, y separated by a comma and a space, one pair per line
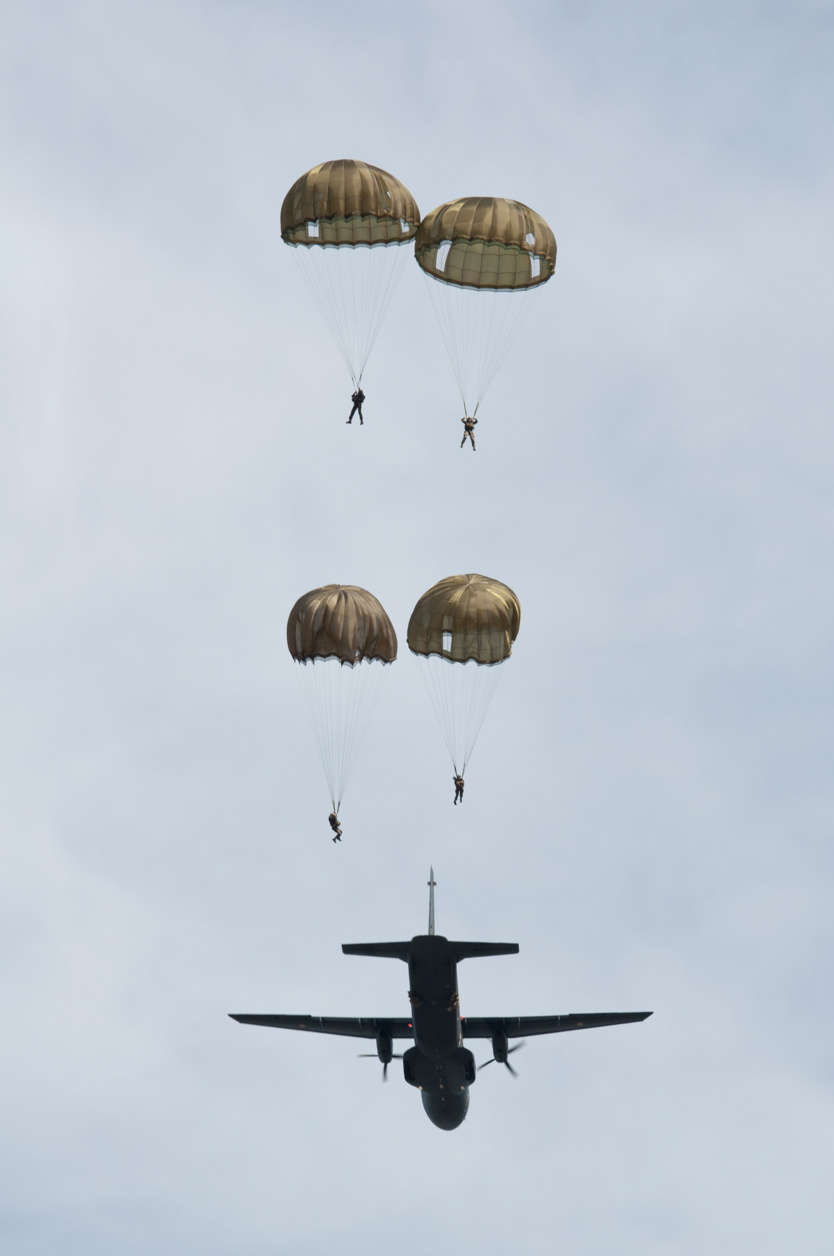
384, 950
474, 950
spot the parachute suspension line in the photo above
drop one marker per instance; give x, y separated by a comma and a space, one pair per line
476, 709
314, 684
324, 271
353, 287
485, 341
385, 285
498, 321
508, 321
448, 332
478, 327
369, 679
340, 700
474, 700
460, 694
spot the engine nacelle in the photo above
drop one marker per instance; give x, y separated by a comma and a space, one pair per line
500, 1047
419, 1070
384, 1048
463, 1060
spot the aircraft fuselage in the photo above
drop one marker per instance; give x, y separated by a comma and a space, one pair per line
438, 1064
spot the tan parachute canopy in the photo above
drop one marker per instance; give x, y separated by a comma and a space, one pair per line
340, 621
486, 242
348, 202
478, 617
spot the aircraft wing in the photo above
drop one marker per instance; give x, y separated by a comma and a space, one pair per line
347, 1026
527, 1026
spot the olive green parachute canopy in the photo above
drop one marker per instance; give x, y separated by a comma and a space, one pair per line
348, 203
466, 618
340, 621
486, 242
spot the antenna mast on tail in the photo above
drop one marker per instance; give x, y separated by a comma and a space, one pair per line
431, 884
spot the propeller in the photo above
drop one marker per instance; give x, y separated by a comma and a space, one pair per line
496, 1059
372, 1055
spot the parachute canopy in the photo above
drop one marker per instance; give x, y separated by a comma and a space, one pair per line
486, 242
340, 621
485, 259
345, 221
466, 617
342, 640
460, 631
348, 203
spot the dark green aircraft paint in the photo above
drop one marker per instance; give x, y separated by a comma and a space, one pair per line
438, 1063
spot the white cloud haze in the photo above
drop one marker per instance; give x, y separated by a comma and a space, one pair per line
649, 808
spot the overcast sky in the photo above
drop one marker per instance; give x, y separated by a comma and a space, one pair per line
649, 808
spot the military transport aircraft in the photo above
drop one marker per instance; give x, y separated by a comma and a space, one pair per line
438, 1064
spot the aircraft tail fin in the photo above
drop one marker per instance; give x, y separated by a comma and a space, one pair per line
383, 950
432, 884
